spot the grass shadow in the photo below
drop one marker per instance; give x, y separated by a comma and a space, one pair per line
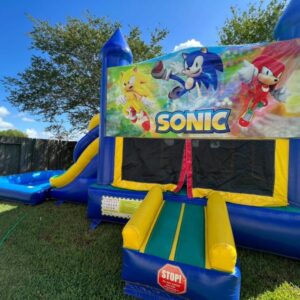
266, 276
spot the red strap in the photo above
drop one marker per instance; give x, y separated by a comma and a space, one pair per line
189, 168
182, 172
186, 169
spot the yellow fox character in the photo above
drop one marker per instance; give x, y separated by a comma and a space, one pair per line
136, 96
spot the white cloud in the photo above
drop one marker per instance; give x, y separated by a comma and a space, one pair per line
26, 119
188, 44
46, 135
4, 111
5, 125
32, 133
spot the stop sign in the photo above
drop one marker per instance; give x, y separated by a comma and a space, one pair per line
172, 279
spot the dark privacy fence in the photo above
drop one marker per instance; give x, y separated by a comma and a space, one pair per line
18, 155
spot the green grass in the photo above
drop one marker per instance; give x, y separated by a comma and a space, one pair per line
49, 253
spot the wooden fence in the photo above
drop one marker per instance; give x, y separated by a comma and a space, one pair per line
18, 155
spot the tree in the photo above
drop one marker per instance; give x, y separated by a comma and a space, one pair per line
255, 24
64, 76
14, 133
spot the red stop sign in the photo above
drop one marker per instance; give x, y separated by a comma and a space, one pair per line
172, 279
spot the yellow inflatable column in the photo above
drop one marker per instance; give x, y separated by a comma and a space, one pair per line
221, 251
138, 227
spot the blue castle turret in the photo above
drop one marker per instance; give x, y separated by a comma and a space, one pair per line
288, 26
115, 52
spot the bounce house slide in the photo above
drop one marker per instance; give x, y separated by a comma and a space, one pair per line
180, 247
29, 188
73, 184
93, 133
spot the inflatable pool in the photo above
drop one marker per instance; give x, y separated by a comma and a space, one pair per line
29, 188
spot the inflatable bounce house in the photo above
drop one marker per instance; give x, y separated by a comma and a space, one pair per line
186, 133
196, 152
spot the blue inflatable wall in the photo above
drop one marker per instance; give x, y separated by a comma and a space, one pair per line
288, 26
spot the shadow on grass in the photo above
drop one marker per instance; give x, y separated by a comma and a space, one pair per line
266, 276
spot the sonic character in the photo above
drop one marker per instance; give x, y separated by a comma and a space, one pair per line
136, 96
199, 67
259, 80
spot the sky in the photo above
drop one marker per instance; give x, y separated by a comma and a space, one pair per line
190, 22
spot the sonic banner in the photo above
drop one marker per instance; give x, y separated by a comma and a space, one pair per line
247, 91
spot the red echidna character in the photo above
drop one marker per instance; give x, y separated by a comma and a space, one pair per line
259, 79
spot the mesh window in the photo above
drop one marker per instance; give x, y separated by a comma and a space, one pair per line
152, 160
234, 166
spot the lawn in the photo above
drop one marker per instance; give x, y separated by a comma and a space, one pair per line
47, 252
